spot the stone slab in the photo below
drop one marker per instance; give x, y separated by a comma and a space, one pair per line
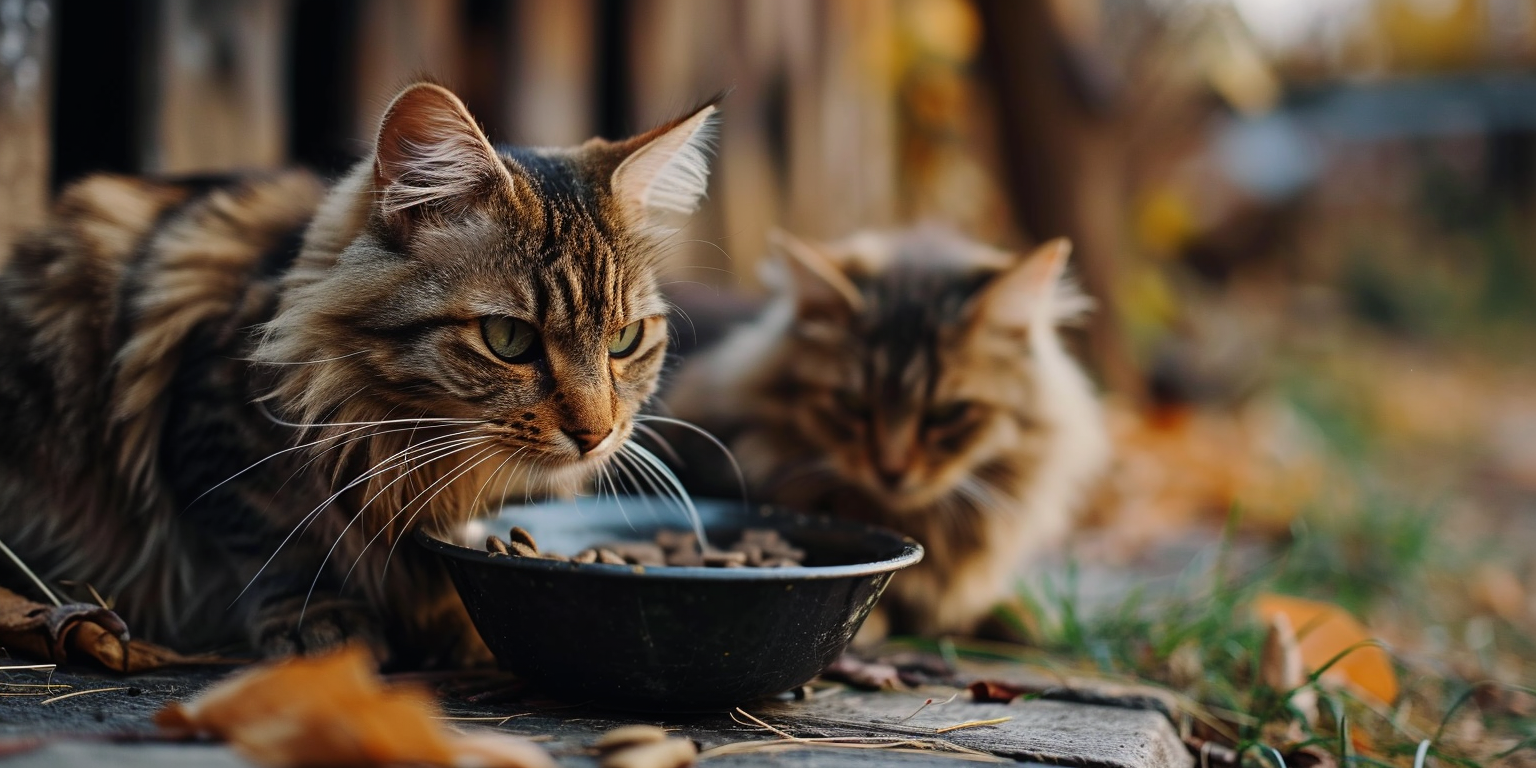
97, 729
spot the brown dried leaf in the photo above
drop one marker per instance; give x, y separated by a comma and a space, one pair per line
334, 710
78, 631
861, 674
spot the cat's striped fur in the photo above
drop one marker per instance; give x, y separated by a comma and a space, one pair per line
916, 380
198, 376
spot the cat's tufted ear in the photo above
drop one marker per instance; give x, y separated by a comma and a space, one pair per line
431, 155
815, 279
1032, 291
662, 180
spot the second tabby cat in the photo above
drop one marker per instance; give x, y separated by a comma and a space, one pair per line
916, 380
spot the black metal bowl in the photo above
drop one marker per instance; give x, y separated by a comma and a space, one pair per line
674, 638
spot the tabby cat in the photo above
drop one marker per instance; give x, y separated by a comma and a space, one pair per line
913, 379
229, 401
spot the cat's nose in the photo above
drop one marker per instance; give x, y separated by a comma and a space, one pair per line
891, 478
587, 440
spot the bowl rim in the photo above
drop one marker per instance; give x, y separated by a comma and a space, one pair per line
911, 553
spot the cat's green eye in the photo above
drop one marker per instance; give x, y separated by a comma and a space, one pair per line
948, 414
627, 340
511, 339
851, 402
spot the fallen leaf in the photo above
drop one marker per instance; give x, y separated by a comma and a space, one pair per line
1495, 589
334, 710
1323, 631
862, 674
994, 692
1283, 669
78, 631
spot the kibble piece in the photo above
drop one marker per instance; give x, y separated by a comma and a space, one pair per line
585, 556
753, 552
638, 552
520, 549
519, 534
671, 753
609, 557
725, 559
675, 540
629, 736
495, 545
685, 559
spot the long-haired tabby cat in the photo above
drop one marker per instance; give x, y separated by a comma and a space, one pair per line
228, 402
914, 379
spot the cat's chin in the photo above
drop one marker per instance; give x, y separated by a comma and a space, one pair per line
907, 501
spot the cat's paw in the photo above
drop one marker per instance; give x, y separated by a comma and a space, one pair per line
289, 628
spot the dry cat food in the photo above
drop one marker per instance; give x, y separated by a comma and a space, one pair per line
757, 548
644, 746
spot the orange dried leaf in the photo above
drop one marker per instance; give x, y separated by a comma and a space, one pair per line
994, 691
334, 710
1324, 631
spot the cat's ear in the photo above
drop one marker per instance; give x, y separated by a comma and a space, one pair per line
665, 175
431, 155
1026, 293
815, 280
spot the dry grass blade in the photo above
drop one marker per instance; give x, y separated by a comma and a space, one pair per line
890, 743
73, 694
912, 746
497, 719
29, 668
14, 558
972, 724
927, 704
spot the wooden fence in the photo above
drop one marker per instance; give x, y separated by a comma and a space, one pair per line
843, 113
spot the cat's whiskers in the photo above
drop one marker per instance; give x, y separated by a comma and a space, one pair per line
381, 422
362, 510
621, 465
423, 506
303, 523
661, 441
676, 489
412, 453
474, 503
741, 477
304, 362
269, 457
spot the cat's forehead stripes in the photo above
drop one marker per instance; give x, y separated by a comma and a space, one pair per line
907, 308
585, 278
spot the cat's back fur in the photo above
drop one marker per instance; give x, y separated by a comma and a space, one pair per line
823, 400
125, 329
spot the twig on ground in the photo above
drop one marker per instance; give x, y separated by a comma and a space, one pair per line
973, 724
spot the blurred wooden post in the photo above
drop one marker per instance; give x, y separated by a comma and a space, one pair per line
1063, 162
551, 59
397, 42
25, 53
219, 85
